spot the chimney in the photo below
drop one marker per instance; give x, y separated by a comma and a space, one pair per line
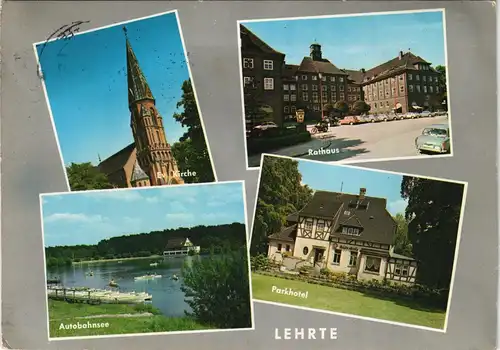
400, 55
362, 192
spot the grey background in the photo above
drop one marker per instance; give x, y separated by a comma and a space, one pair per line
31, 165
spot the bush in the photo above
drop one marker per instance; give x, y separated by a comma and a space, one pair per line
259, 262
264, 144
218, 290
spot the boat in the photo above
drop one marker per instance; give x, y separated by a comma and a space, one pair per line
90, 273
112, 283
153, 264
175, 278
147, 277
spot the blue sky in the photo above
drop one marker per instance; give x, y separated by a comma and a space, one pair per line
359, 41
86, 84
328, 177
88, 217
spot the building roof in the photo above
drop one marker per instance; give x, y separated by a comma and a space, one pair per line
308, 65
249, 39
395, 65
138, 87
357, 76
322, 205
287, 234
289, 72
371, 215
116, 161
174, 243
294, 217
137, 173
402, 257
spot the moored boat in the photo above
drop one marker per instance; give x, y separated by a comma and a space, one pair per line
147, 277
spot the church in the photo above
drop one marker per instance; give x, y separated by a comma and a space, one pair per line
148, 161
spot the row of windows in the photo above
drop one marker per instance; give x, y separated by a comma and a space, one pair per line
280, 246
337, 255
411, 88
353, 89
392, 81
266, 64
324, 96
353, 98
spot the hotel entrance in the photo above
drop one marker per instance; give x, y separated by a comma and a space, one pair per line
319, 253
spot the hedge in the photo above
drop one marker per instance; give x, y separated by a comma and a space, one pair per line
436, 298
264, 144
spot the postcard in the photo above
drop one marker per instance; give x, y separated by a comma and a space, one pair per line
346, 88
124, 106
357, 242
171, 259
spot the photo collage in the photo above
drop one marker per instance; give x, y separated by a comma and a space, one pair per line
147, 239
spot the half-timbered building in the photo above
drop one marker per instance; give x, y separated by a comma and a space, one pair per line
350, 233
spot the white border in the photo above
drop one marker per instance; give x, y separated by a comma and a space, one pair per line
354, 161
151, 188
114, 25
459, 233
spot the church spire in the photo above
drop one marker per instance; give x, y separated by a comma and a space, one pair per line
138, 88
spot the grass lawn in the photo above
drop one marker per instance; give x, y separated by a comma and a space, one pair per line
346, 301
61, 312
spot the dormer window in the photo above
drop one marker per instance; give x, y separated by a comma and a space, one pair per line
351, 231
347, 212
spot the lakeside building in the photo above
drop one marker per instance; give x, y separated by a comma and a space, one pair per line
353, 234
148, 161
180, 247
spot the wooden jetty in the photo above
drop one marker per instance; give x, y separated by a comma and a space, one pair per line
96, 296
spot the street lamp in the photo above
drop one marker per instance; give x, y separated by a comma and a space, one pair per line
321, 93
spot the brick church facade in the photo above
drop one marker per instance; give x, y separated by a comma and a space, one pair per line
148, 161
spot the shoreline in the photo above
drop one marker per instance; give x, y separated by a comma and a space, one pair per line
115, 259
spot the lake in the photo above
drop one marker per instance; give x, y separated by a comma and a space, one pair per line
167, 294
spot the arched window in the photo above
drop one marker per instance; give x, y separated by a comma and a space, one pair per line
305, 250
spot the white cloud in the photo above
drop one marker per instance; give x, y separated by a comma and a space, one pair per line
121, 195
214, 216
398, 206
180, 217
74, 217
177, 206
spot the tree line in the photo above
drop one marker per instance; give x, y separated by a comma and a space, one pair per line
228, 236
191, 151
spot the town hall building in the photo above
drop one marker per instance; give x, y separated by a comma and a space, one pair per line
347, 233
148, 161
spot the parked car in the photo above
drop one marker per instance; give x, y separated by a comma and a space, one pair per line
265, 126
369, 118
434, 139
350, 120
425, 114
390, 117
411, 115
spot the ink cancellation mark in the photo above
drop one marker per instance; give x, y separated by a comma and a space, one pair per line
64, 32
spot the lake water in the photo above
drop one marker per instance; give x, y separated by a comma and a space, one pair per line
167, 294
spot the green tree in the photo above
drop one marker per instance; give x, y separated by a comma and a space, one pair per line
360, 107
342, 107
85, 176
433, 215
196, 145
280, 194
254, 113
402, 244
217, 287
443, 88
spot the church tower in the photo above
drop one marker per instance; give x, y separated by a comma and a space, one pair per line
154, 155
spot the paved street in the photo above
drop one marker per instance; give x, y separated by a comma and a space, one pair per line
361, 142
